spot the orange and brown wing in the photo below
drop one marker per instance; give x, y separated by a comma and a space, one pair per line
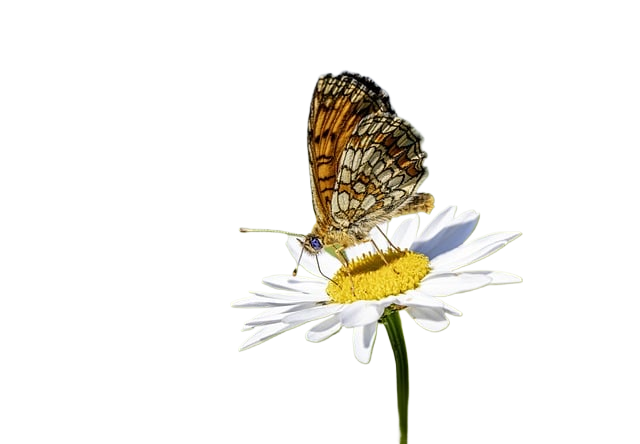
379, 172
339, 103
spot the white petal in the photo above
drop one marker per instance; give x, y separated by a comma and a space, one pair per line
275, 315
251, 302
255, 302
446, 284
299, 283
361, 312
498, 277
440, 221
367, 247
324, 329
363, 339
449, 236
328, 264
309, 314
266, 333
431, 319
359, 250
420, 299
293, 297
452, 310
473, 251
406, 232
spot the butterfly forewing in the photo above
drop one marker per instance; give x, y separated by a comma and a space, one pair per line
339, 104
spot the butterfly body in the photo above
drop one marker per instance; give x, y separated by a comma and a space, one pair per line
365, 162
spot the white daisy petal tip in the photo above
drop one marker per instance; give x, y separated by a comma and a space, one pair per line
324, 330
364, 337
452, 311
406, 232
432, 321
501, 278
498, 277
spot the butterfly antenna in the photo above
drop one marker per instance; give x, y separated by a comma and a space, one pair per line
379, 251
267, 230
288, 233
264, 230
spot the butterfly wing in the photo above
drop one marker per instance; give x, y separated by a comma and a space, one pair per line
339, 104
379, 172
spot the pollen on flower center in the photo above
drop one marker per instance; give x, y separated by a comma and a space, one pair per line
372, 277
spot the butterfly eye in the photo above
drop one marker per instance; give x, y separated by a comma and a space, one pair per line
315, 243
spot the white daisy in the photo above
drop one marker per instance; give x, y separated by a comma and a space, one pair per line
414, 277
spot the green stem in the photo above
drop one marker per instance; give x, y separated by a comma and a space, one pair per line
394, 330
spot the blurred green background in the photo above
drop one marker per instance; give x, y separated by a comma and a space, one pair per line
485, 93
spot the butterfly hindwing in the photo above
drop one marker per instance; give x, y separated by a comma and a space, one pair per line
379, 172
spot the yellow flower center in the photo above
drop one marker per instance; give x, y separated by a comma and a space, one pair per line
375, 276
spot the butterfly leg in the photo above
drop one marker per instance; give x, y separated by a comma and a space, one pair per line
379, 251
324, 275
342, 256
387, 239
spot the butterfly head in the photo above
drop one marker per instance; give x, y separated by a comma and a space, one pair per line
312, 244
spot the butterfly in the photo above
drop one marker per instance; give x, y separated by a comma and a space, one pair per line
365, 164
